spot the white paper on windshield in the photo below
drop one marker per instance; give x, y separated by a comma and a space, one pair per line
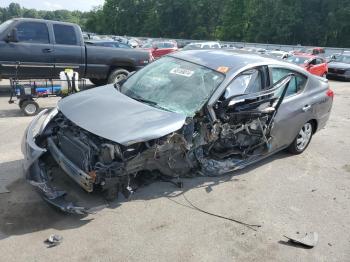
182, 72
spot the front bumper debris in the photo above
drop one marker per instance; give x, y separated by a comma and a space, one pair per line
35, 172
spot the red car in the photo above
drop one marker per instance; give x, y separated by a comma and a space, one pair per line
312, 51
314, 64
159, 49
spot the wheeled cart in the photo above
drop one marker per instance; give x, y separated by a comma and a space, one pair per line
28, 92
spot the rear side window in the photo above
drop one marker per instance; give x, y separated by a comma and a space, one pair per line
65, 34
33, 32
296, 84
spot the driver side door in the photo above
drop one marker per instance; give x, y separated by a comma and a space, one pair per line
31, 54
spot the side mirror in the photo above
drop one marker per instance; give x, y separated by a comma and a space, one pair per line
12, 36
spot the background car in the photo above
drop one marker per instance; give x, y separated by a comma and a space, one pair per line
278, 54
202, 45
159, 49
319, 51
339, 67
314, 64
113, 44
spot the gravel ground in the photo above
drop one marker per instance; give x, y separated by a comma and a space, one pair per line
284, 193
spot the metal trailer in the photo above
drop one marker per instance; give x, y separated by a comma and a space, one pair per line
27, 92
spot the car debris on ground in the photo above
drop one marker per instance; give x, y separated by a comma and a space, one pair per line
308, 240
53, 240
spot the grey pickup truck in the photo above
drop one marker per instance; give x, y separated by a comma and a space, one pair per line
35, 48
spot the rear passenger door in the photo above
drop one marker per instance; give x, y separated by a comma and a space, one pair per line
295, 110
68, 49
32, 53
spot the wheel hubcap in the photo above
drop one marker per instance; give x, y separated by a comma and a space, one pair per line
120, 77
304, 136
30, 109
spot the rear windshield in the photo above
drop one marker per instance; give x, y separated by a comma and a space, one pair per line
343, 59
4, 25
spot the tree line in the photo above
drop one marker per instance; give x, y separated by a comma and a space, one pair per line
15, 10
305, 22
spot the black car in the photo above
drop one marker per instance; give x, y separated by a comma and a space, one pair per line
339, 67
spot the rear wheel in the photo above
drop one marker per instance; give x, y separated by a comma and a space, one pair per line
29, 107
117, 75
302, 140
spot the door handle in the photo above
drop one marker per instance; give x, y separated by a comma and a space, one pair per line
47, 50
306, 108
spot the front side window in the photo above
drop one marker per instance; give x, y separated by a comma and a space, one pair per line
169, 45
159, 45
295, 85
174, 85
33, 32
247, 82
65, 34
319, 61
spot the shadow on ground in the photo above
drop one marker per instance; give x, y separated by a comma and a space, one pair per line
22, 211
16, 111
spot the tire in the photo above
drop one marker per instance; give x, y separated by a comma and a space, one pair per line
98, 82
30, 108
302, 140
117, 75
20, 103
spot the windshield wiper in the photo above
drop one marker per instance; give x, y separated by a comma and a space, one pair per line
142, 100
149, 102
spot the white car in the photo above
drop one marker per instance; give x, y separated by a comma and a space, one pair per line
203, 45
279, 54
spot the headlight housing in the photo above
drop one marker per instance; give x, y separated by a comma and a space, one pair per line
48, 118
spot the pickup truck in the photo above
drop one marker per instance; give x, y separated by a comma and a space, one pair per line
36, 48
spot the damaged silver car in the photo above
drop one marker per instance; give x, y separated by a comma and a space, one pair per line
190, 113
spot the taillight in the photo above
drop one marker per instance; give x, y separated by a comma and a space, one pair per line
330, 93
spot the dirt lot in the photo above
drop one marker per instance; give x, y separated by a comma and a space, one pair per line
285, 194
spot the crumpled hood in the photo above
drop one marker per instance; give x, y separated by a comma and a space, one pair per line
338, 65
106, 112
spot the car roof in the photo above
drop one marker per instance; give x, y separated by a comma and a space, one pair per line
42, 20
221, 58
306, 55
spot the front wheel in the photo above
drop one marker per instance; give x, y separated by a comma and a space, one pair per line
302, 140
117, 75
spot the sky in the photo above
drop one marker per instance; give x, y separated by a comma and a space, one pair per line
81, 5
